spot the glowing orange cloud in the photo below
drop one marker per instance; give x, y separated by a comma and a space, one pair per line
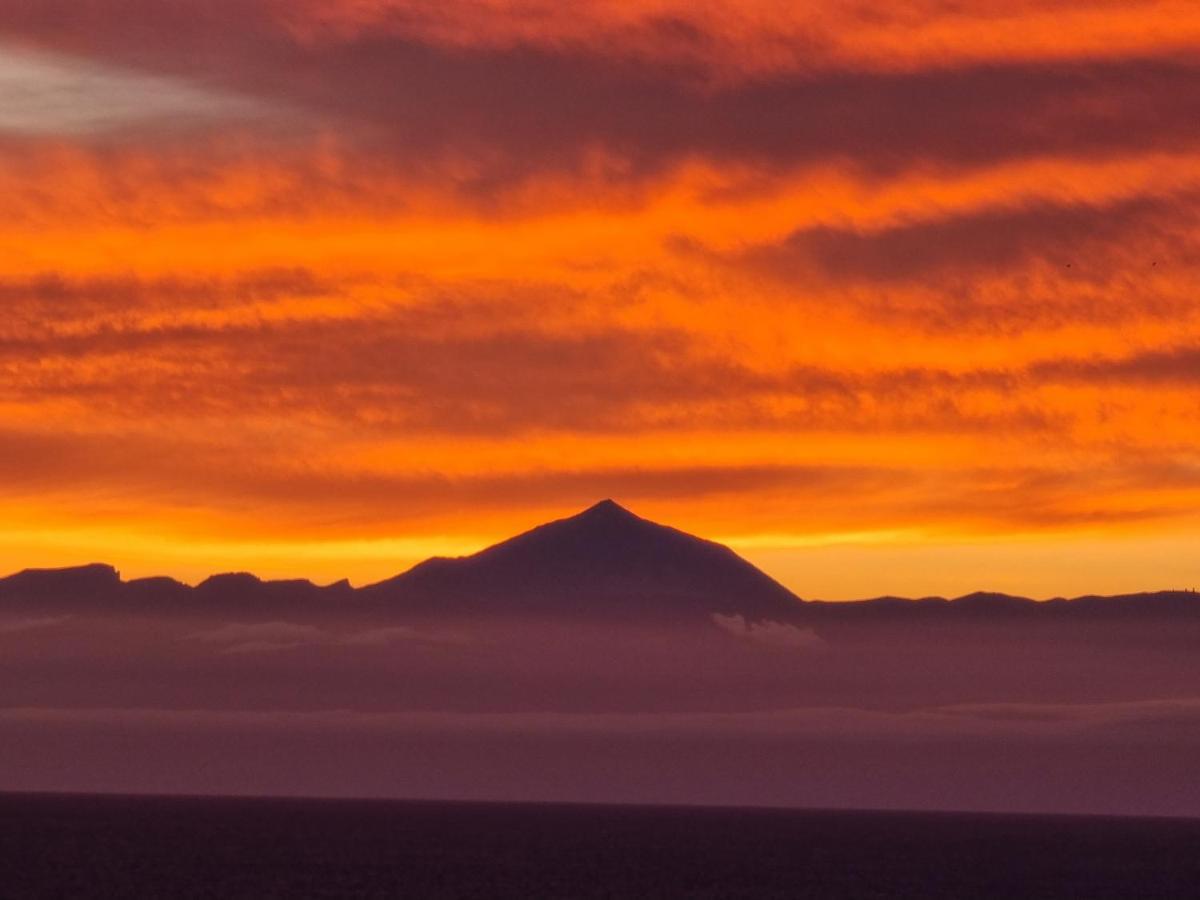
373, 280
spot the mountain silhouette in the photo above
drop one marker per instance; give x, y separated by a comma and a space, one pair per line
232, 587
95, 579
604, 561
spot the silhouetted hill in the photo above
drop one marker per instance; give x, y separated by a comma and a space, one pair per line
603, 561
233, 588
91, 580
100, 586
232, 585
991, 607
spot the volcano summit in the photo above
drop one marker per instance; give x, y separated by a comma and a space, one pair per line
604, 561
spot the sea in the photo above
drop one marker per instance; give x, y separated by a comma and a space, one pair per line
77, 846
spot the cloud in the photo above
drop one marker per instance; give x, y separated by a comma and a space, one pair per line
413, 369
772, 634
988, 240
482, 115
56, 94
177, 467
261, 634
272, 637
256, 647
1013, 268
758, 38
1178, 366
60, 298
514, 114
761, 37
382, 370
30, 623
386, 376
1126, 721
665, 250
392, 382
382, 637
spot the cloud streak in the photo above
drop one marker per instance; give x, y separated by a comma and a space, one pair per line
1123, 721
43, 93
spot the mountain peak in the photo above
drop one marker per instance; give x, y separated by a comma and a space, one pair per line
603, 561
605, 517
607, 507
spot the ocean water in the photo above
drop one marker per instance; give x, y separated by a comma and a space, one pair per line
102, 846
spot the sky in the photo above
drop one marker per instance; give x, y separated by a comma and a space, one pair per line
892, 298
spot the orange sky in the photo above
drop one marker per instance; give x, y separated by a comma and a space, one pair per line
898, 301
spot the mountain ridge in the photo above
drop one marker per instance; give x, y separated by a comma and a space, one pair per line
604, 560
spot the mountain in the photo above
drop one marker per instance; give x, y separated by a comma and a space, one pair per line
234, 587
91, 580
99, 586
603, 562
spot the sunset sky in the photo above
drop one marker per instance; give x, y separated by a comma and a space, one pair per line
891, 297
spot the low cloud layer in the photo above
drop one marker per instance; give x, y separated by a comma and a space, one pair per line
1088, 715
9, 625
774, 634
1177, 720
269, 637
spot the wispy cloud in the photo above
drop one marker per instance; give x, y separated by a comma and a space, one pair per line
771, 634
271, 637
1122, 721
20, 625
51, 93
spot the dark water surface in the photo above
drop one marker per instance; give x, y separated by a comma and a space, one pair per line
94, 846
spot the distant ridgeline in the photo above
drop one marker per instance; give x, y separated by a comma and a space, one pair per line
604, 563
